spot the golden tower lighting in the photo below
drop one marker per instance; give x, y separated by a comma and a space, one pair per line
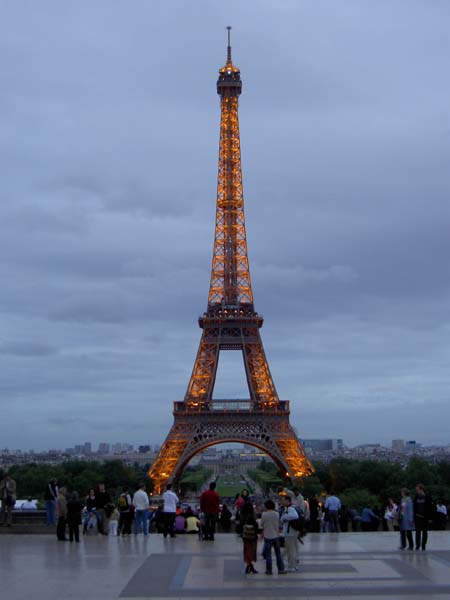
230, 323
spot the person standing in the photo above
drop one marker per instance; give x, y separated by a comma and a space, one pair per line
423, 514
50, 496
141, 505
270, 523
289, 533
298, 503
61, 515
390, 514
8, 497
249, 536
114, 522
74, 508
170, 510
297, 499
314, 514
406, 520
91, 506
102, 499
368, 518
225, 519
210, 507
125, 514
333, 506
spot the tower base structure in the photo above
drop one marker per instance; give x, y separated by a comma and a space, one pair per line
229, 421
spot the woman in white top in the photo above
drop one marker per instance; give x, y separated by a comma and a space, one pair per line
270, 524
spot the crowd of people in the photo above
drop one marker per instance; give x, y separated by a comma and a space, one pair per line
281, 520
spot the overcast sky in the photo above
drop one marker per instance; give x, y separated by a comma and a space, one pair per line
109, 127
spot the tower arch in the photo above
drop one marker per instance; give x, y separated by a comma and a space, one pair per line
191, 453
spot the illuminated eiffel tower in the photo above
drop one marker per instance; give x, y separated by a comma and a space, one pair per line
230, 323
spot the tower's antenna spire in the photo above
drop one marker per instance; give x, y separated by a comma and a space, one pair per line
229, 45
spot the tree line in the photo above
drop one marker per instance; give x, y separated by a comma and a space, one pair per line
357, 482
32, 478
362, 482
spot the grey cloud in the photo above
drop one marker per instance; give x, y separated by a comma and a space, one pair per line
27, 348
109, 151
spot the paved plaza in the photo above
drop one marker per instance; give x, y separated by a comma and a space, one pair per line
351, 565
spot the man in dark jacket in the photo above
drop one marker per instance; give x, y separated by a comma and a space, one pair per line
210, 507
102, 499
50, 496
423, 514
314, 518
8, 493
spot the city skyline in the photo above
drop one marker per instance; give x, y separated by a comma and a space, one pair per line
110, 153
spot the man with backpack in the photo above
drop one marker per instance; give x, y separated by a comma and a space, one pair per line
291, 525
298, 502
125, 515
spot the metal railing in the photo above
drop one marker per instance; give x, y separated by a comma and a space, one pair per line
227, 406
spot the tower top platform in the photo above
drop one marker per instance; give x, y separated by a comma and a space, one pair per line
229, 82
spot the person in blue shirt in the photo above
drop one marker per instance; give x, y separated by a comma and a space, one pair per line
333, 506
368, 519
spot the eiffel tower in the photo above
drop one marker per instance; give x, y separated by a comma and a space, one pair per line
230, 323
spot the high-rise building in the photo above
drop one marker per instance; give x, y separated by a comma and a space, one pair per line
411, 446
103, 448
398, 445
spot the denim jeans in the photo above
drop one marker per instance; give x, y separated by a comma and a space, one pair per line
140, 516
267, 552
333, 523
50, 509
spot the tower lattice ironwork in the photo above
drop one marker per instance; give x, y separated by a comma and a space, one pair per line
230, 323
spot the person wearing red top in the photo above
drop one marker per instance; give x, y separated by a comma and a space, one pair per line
210, 507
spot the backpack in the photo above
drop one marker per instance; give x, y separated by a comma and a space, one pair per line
248, 532
123, 503
297, 524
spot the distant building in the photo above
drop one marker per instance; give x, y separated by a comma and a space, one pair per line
323, 445
104, 448
120, 448
87, 448
145, 448
411, 446
398, 445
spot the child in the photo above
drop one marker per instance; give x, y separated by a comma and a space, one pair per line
114, 521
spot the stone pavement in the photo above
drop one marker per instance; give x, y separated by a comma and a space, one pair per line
351, 566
